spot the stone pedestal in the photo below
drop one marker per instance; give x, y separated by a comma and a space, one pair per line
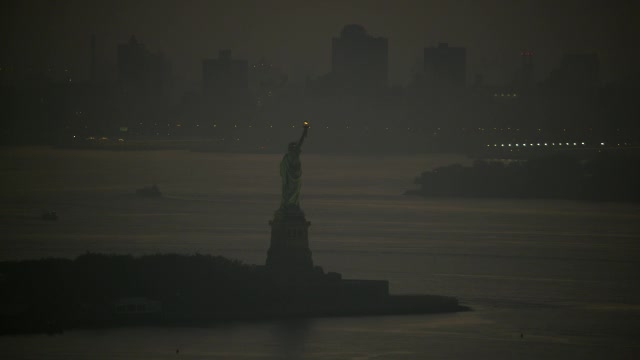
289, 252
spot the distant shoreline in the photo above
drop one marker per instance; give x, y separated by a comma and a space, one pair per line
603, 177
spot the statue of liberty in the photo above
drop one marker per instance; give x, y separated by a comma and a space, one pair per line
291, 174
289, 254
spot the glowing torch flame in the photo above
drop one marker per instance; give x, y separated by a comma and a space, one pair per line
306, 124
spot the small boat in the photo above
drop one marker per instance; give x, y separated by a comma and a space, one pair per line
49, 215
149, 191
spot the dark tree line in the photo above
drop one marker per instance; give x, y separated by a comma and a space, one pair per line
52, 294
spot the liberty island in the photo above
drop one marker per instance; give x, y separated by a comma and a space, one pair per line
312, 292
170, 289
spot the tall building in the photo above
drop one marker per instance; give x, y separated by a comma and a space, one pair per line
132, 58
224, 75
445, 66
92, 65
576, 71
141, 71
524, 77
143, 79
359, 60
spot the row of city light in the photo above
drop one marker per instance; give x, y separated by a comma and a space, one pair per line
92, 138
349, 126
531, 145
294, 126
543, 144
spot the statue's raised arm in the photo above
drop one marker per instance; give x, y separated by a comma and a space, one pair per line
304, 134
291, 174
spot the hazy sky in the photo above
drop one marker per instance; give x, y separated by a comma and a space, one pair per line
296, 34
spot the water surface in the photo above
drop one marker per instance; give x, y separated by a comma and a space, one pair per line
546, 279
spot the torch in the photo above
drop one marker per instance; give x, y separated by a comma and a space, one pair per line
305, 125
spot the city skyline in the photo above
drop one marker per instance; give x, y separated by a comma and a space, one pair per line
325, 179
494, 34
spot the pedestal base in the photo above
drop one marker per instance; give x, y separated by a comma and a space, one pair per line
289, 251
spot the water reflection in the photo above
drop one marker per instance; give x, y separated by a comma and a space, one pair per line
291, 337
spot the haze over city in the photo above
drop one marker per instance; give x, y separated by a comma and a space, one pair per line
319, 179
410, 76
296, 35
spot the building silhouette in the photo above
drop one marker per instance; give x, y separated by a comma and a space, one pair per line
141, 72
225, 102
572, 91
524, 77
445, 66
143, 86
358, 60
92, 64
576, 72
225, 76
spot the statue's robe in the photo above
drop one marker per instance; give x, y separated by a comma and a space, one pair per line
291, 174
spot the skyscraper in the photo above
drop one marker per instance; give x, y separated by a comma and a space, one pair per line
445, 66
224, 75
141, 71
359, 60
579, 71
